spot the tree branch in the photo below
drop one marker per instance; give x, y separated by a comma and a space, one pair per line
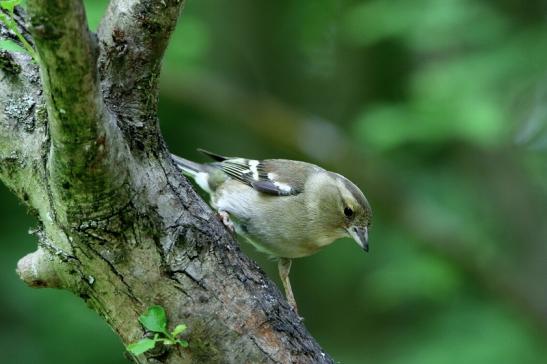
36, 270
135, 32
119, 225
22, 128
47, 269
85, 150
68, 72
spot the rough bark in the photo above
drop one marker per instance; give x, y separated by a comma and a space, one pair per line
117, 224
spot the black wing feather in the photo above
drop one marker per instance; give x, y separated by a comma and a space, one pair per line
253, 173
268, 187
214, 156
274, 177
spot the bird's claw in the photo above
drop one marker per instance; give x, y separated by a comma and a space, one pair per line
225, 218
295, 309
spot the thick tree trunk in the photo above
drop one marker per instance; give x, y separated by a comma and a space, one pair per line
118, 225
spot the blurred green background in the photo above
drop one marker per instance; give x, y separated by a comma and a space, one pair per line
436, 108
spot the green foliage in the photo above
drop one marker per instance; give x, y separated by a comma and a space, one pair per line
179, 329
439, 97
95, 10
141, 346
196, 44
8, 45
10, 5
9, 22
154, 320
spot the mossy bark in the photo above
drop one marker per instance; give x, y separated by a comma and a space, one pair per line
117, 224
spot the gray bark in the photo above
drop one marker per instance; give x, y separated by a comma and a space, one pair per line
117, 224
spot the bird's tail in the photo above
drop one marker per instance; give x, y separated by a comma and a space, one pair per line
198, 172
187, 167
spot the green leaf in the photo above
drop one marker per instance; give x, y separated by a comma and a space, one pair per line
168, 342
183, 343
9, 5
141, 346
179, 329
154, 319
5, 19
11, 46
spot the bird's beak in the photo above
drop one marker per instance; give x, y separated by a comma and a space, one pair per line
360, 235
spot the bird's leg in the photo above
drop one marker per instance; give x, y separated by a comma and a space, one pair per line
284, 266
225, 218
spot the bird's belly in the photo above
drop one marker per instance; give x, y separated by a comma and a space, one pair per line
275, 225
281, 240
285, 249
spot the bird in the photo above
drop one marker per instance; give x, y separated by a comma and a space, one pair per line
285, 208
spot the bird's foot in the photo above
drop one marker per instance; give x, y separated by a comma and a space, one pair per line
295, 309
284, 266
292, 302
225, 218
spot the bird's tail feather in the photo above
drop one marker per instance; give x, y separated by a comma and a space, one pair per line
186, 166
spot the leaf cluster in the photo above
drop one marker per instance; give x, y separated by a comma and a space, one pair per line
155, 320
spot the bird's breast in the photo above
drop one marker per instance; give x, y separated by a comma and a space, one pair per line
276, 225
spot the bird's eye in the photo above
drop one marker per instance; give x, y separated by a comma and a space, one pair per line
348, 212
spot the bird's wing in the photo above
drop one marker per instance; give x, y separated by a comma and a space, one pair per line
277, 177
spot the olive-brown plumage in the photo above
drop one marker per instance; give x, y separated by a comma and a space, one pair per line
287, 209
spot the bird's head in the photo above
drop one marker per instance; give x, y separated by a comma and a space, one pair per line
350, 210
